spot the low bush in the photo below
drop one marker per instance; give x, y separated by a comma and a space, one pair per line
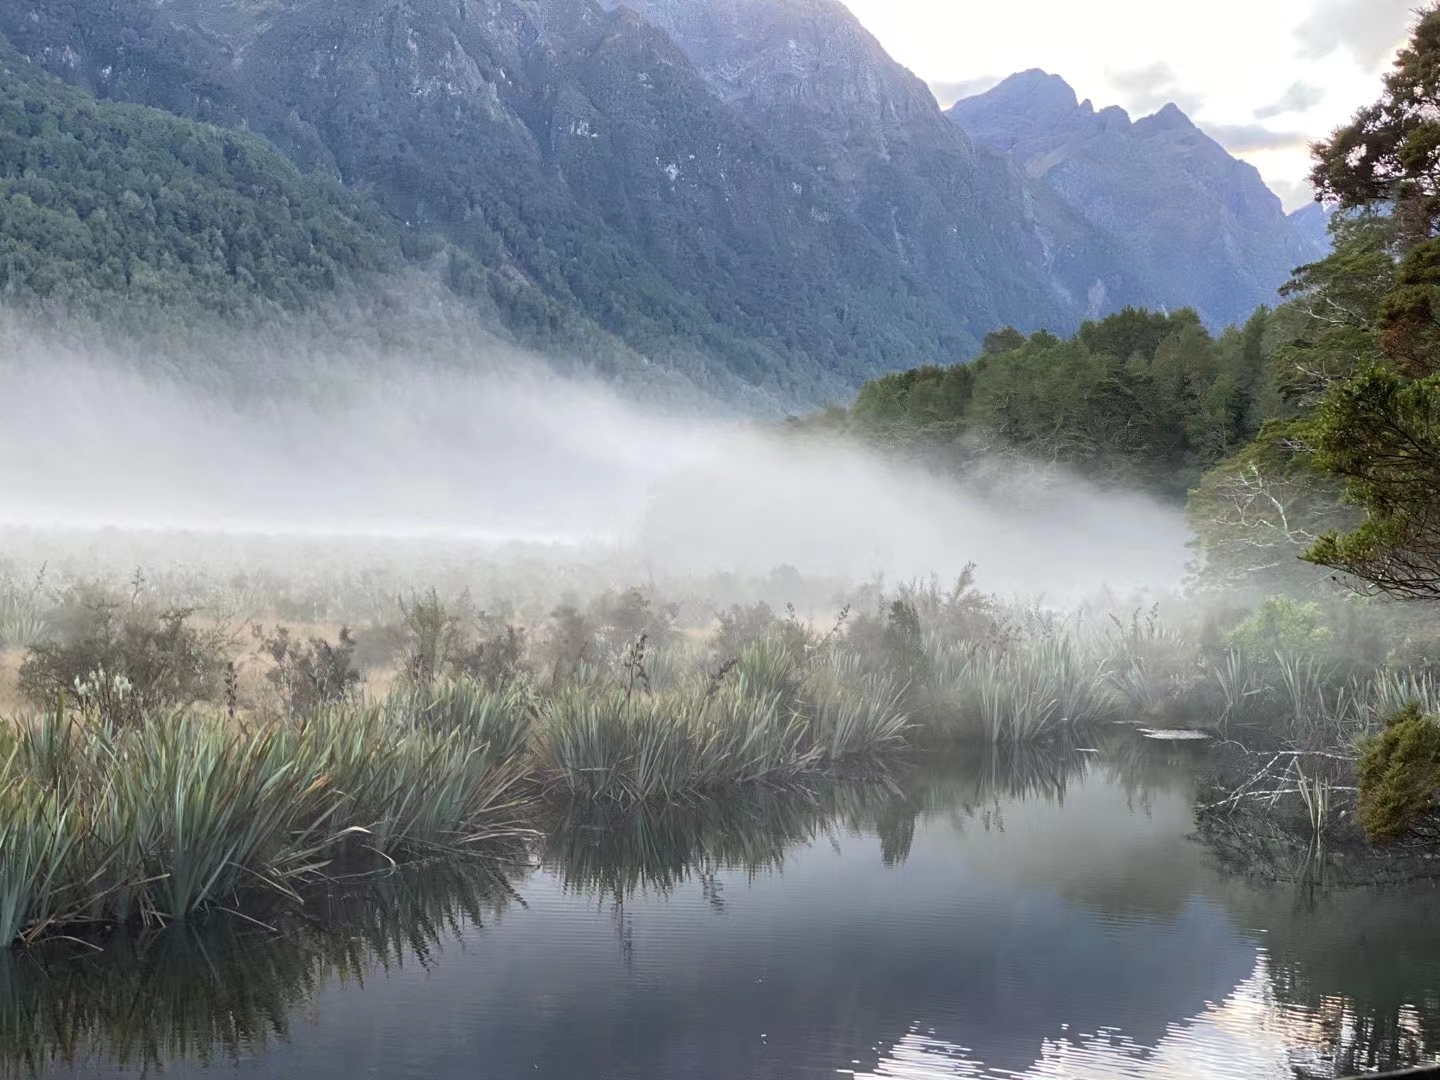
124, 659
1399, 777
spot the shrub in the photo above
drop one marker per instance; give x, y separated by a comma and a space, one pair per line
1281, 625
123, 659
1399, 776
740, 627
449, 641
313, 673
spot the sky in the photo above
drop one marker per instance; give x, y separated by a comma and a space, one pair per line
1264, 77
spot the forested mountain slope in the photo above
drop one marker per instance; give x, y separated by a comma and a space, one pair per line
748, 193
98, 197
572, 158
807, 75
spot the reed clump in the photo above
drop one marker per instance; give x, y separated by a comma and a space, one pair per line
771, 716
155, 820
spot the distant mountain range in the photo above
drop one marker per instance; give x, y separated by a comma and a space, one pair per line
1198, 226
748, 191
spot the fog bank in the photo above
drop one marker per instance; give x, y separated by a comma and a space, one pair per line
401, 450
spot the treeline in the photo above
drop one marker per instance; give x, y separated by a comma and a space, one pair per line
1313, 419
121, 199
1143, 398
1311, 435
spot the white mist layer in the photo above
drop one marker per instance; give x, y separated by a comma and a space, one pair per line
520, 455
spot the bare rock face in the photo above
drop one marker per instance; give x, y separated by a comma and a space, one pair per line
808, 72
1198, 225
1312, 222
805, 73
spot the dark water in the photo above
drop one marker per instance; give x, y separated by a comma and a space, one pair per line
1051, 917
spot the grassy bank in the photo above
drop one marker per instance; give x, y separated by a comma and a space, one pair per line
178, 810
101, 824
158, 770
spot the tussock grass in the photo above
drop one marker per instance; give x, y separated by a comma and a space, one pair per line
1027, 692
187, 809
772, 717
158, 820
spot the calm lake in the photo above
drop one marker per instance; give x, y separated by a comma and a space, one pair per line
1053, 916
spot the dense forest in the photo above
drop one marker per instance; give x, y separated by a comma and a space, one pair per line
103, 198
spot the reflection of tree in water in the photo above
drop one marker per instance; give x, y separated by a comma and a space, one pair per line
1364, 963
222, 987
1352, 932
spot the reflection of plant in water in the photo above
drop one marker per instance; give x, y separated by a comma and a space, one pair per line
618, 851
221, 986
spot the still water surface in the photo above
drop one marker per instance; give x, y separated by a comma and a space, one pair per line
1053, 917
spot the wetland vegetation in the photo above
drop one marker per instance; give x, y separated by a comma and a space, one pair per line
162, 761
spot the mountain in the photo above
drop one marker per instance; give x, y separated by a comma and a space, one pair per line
1312, 222
1200, 226
810, 78
98, 198
750, 193
577, 168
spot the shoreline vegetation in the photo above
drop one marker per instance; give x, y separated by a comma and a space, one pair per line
160, 762
163, 765
225, 985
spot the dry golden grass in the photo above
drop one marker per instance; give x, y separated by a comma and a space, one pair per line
11, 703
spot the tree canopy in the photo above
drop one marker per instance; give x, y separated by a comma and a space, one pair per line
1140, 397
1377, 425
122, 198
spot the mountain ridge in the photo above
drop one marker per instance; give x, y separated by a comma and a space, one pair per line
736, 190
1191, 218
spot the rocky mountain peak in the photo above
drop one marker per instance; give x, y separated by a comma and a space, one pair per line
1195, 222
1170, 118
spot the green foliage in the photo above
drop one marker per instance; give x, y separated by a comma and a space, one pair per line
314, 673
450, 640
772, 716
180, 810
903, 645
1390, 151
1330, 326
1376, 426
23, 620
1381, 433
1281, 625
109, 198
1399, 776
1139, 397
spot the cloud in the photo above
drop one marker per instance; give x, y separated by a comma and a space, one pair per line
948, 93
1242, 138
1147, 88
1294, 194
1301, 97
1369, 29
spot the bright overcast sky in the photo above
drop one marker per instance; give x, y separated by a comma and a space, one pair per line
1263, 76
